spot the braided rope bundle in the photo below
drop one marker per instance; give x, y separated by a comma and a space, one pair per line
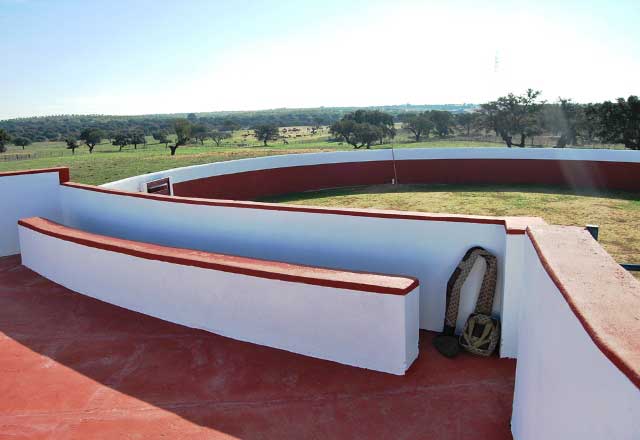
481, 333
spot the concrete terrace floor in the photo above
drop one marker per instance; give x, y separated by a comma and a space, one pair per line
75, 367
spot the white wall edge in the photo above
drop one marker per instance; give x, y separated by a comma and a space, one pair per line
335, 324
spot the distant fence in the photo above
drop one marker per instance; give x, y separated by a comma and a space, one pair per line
62, 152
10, 157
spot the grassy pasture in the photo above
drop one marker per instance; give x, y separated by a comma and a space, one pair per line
107, 163
617, 213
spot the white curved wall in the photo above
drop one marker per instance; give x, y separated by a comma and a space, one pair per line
336, 324
185, 174
573, 154
566, 388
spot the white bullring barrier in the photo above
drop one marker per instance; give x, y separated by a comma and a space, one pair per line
613, 169
306, 316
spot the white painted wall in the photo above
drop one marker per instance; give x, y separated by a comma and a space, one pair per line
252, 164
565, 387
604, 155
369, 330
427, 250
514, 285
289, 160
26, 195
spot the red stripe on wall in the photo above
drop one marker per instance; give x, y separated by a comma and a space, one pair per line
251, 185
297, 273
63, 172
565, 173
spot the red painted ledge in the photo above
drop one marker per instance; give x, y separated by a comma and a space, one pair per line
512, 225
604, 297
63, 172
361, 281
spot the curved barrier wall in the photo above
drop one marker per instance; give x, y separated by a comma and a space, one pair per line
249, 179
307, 310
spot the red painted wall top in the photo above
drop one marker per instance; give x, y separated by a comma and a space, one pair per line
63, 172
604, 297
361, 281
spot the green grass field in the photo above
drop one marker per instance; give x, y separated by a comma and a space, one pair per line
617, 213
107, 163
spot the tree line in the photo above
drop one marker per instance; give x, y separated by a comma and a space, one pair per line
183, 131
58, 128
513, 118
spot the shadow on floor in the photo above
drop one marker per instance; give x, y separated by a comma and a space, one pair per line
75, 367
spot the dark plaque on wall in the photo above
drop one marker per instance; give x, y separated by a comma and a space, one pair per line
160, 186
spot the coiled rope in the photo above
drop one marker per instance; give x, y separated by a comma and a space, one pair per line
481, 333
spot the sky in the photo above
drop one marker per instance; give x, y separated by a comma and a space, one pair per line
159, 56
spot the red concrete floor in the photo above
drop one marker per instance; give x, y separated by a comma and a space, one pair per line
72, 367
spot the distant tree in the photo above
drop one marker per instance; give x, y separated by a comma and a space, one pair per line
4, 139
200, 132
137, 138
356, 134
110, 135
569, 113
466, 120
620, 122
72, 144
367, 134
345, 129
91, 137
317, 124
182, 127
534, 130
589, 122
218, 136
192, 117
162, 137
383, 121
419, 124
512, 115
229, 125
21, 142
363, 127
49, 134
266, 132
443, 122
121, 140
